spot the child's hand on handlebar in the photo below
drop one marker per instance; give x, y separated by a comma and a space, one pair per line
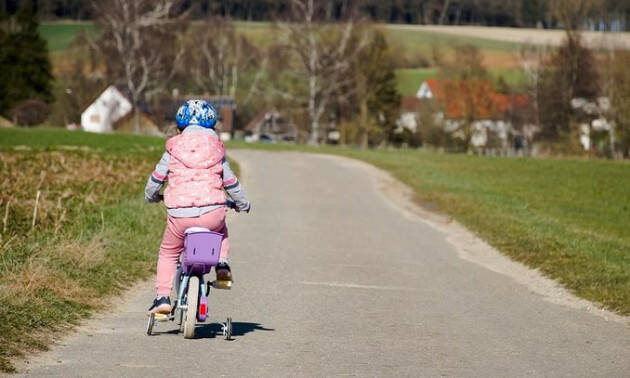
157, 197
233, 205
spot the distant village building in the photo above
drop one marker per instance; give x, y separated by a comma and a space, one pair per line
459, 102
425, 91
593, 119
107, 109
111, 111
226, 107
270, 126
410, 111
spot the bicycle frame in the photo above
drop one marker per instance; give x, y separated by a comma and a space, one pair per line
203, 295
201, 252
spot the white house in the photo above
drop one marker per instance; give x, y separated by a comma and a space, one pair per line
109, 107
410, 108
270, 126
595, 112
425, 90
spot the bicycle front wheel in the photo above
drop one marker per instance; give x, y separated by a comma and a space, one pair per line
192, 302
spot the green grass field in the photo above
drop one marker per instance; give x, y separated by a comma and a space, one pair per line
567, 217
49, 139
424, 40
409, 79
513, 76
411, 42
60, 34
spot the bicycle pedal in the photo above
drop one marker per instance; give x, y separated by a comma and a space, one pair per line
222, 285
162, 317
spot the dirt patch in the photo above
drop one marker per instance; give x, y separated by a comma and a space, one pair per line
499, 59
521, 35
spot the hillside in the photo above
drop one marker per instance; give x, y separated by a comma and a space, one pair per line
415, 43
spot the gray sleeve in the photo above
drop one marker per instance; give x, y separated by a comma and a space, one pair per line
157, 179
233, 187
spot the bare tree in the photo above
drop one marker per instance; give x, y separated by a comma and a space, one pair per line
138, 44
532, 59
218, 56
323, 52
616, 104
444, 11
572, 14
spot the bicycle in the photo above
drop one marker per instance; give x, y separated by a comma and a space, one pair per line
202, 249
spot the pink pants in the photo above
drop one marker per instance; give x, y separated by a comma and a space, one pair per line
173, 244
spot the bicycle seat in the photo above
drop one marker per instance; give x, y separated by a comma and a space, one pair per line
202, 249
192, 230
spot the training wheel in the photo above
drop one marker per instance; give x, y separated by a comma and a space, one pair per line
227, 330
150, 324
179, 318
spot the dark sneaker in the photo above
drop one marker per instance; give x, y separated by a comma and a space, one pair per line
160, 305
224, 275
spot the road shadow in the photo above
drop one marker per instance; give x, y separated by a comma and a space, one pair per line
169, 332
212, 330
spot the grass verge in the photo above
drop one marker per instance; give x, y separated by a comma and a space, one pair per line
567, 217
92, 237
74, 228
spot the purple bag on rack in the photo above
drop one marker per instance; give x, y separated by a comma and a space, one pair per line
202, 249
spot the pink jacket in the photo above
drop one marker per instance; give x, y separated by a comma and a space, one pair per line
195, 171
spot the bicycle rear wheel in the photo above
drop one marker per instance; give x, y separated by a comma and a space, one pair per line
192, 302
178, 314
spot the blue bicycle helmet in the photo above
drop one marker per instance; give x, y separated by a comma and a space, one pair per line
196, 112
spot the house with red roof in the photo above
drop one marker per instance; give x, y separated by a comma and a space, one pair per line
467, 108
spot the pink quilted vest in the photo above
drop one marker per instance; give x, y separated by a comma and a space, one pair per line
195, 175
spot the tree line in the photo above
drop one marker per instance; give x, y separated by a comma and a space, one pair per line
602, 14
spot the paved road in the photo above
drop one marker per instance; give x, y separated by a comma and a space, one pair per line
333, 281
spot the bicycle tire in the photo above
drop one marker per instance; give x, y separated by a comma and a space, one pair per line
192, 302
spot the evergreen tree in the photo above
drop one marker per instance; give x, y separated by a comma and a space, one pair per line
571, 72
615, 13
25, 69
380, 100
5, 52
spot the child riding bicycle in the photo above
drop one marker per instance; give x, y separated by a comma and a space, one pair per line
198, 176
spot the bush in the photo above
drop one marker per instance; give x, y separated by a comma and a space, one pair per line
30, 113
